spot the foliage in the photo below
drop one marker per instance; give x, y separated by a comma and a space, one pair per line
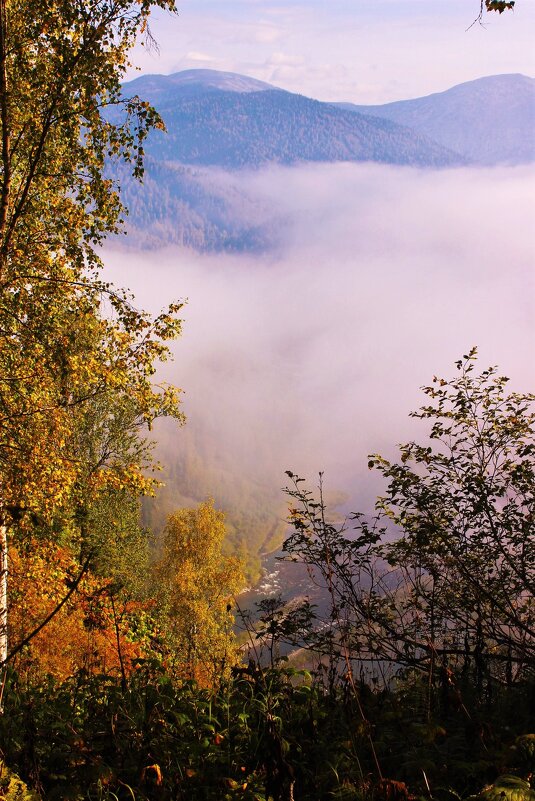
107, 703
507, 788
12, 788
499, 5
494, 5
442, 579
195, 589
525, 753
77, 359
98, 630
264, 734
253, 739
60, 64
464, 505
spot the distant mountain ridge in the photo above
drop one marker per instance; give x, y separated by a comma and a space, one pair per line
225, 121
191, 83
489, 120
230, 121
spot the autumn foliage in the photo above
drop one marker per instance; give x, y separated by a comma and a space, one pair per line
196, 585
121, 677
91, 632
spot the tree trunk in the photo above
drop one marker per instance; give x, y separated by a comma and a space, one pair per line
5, 144
3, 594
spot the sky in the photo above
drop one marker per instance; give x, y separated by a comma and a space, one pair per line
362, 51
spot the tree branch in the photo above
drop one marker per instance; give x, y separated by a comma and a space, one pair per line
52, 614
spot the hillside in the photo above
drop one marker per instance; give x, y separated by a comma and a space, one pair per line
220, 124
234, 122
489, 121
195, 207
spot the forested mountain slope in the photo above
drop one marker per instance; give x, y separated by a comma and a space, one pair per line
220, 124
229, 123
490, 120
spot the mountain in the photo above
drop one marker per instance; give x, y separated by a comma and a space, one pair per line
489, 121
230, 121
168, 89
197, 207
220, 123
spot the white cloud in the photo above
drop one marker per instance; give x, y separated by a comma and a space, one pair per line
202, 57
267, 33
280, 59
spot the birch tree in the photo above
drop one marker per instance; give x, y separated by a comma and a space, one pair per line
61, 64
196, 588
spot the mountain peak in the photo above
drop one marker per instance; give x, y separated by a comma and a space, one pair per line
214, 79
197, 81
488, 120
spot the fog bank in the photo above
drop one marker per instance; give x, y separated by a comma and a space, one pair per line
311, 357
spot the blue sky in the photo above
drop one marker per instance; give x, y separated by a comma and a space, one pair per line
367, 51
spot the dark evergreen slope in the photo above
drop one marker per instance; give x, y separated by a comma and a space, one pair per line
234, 130
194, 207
232, 123
490, 120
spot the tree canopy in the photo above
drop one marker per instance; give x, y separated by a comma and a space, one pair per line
60, 66
77, 358
447, 568
196, 588
498, 5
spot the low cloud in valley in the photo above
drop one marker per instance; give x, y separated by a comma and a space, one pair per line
310, 356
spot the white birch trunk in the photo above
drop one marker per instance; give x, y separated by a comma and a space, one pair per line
3, 594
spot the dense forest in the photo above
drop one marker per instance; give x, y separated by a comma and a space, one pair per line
129, 669
279, 127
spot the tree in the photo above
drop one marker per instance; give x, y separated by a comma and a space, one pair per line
67, 337
60, 66
493, 5
196, 586
464, 505
98, 629
445, 574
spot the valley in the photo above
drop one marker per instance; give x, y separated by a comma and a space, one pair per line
267, 454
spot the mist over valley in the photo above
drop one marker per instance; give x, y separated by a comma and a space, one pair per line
267, 420
198, 186
309, 354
